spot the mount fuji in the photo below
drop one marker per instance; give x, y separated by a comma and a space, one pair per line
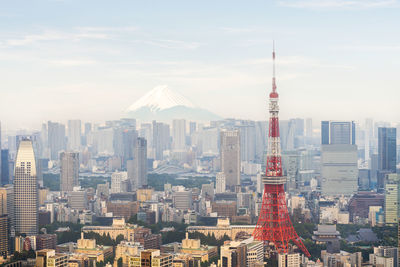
163, 104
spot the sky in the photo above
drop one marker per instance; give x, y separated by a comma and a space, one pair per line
67, 59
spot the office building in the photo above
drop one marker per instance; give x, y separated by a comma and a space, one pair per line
182, 199
56, 139
392, 198
179, 135
289, 260
387, 149
140, 163
230, 157
74, 135
77, 199
4, 167
233, 254
69, 171
338, 133
161, 139
4, 237
339, 169
119, 182
26, 190
220, 185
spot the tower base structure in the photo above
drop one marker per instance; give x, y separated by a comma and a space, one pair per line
274, 224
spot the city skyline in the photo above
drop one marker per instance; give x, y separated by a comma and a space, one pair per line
95, 64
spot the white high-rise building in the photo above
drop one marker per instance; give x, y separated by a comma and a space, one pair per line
26, 190
179, 135
220, 185
69, 171
74, 135
117, 182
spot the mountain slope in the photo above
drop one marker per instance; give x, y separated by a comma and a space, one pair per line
163, 104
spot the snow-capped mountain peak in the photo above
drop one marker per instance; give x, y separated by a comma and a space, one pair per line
160, 98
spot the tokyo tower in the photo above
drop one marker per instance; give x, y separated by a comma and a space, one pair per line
274, 224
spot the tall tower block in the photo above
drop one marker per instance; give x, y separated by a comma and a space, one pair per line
274, 224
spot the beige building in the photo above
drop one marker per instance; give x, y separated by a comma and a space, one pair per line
125, 250
144, 194
223, 228
289, 260
43, 195
119, 227
89, 247
198, 251
26, 190
49, 258
151, 258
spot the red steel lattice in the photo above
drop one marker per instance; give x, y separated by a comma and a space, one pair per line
274, 224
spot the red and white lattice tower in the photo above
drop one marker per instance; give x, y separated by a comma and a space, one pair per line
274, 224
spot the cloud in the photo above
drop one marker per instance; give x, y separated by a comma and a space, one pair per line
322, 4
368, 48
72, 62
171, 44
234, 30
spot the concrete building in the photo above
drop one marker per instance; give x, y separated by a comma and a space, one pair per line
220, 183
223, 228
26, 190
69, 171
289, 260
392, 197
74, 135
77, 199
4, 237
230, 157
119, 182
338, 133
339, 169
179, 135
233, 254
4, 167
49, 258
118, 227
384, 255
56, 139
182, 199
89, 247
140, 164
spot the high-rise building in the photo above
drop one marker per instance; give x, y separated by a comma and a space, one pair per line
119, 182
74, 135
392, 194
309, 128
338, 133
178, 134
387, 149
247, 141
161, 139
69, 172
339, 169
4, 235
140, 163
5, 173
182, 199
230, 157
220, 185
25, 190
56, 139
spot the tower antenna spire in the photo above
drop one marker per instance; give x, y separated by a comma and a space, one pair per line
273, 67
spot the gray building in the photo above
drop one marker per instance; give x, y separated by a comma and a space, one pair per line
77, 199
26, 190
56, 139
140, 163
230, 157
339, 169
69, 172
338, 133
74, 134
182, 200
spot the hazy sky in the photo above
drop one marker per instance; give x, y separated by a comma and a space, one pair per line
336, 59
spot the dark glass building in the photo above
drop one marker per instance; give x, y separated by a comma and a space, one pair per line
338, 133
387, 149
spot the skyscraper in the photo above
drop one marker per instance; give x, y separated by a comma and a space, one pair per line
220, 186
5, 173
392, 198
25, 190
338, 133
230, 157
69, 172
178, 135
140, 163
56, 138
387, 149
339, 169
161, 139
74, 134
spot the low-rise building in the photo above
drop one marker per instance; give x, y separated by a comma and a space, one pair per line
119, 227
